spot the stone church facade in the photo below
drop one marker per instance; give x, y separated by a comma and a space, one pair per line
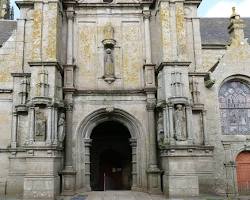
123, 95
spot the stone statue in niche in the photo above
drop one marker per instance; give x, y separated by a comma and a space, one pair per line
40, 125
108, 64
160, 129
109, 45
180, 123
61, 127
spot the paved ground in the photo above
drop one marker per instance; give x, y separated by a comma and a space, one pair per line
131, 195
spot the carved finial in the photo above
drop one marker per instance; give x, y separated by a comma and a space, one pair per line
233, 12
236, 28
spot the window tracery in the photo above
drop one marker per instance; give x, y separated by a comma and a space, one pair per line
234, 100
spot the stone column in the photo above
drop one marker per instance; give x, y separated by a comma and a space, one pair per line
133, 144
205, 137
14, 130
31, 125
154, 182
70, 16
49, 126
146, 16
68, 144
166, 124
68, 174
87, 144
171, 124
55, 136
189, 124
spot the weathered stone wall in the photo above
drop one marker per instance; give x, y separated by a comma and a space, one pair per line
233, 65
209, 58
175, 38
128, 51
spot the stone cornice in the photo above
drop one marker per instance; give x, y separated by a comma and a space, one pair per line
174, 63
195, 2
21, 74
118, 4
110, 92
202, 74
47, 64
214, 46
6, 90
69, 90
24, 4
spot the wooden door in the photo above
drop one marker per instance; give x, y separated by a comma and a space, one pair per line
243, 172
111, 171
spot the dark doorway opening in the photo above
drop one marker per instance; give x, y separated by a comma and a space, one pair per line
110, 157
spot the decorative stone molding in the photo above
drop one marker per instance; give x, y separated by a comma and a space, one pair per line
146, 14
151, 104
47, 64
109, 109
69, 107
172, 64
70, 14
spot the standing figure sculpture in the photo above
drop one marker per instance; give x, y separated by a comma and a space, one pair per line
160, 129
61, 127
40, 125
108, 63
180, 123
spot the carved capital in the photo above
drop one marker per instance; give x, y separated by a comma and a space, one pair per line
151, 104
70, 14
69, 107
146, 14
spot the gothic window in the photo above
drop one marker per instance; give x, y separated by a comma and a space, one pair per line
234, 99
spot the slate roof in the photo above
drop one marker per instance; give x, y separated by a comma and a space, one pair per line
6, 29
214, 30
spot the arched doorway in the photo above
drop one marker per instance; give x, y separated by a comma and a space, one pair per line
243, 172
110, 157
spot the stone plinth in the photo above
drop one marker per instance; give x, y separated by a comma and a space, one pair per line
42, 180
180, 178
68, 181
154, 181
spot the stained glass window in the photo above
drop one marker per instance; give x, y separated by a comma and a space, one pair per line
234, 99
